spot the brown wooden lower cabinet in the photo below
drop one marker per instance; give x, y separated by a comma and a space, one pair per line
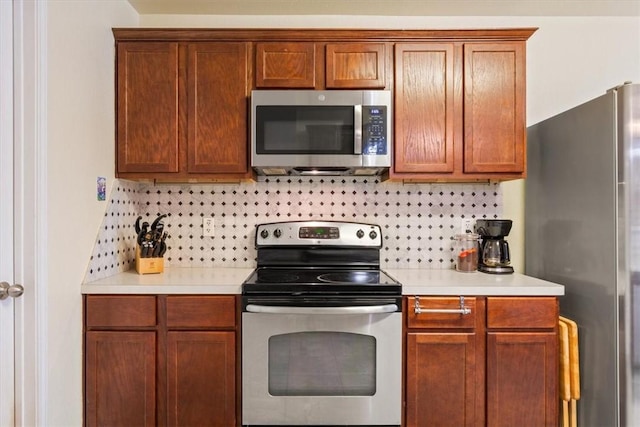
171, 361
120, 378
522, 361
522, 379
444, 368
445, 362
201, 378
495, 366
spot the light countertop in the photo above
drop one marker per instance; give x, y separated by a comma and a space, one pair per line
414, 282
172, 281
451, 282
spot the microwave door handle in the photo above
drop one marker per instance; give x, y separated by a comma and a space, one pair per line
357, 129
375, 309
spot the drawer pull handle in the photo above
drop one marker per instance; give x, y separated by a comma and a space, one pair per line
462, 310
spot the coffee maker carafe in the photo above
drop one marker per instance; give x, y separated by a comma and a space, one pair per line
493, 249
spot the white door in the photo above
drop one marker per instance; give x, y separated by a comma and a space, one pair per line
7, 318
18, 354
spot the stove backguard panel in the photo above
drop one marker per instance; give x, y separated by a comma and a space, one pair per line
418, 220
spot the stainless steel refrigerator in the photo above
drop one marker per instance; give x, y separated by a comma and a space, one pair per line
583, 231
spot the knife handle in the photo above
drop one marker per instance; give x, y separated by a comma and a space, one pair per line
157, 247
162, 245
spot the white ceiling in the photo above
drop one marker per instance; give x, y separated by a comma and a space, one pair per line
391, 7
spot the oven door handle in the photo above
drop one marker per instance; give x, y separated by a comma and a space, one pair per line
371, 309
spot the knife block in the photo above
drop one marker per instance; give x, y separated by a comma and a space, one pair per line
148, 265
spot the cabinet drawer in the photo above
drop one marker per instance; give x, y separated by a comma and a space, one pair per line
435, 319
522, 313
121, 311
201, 311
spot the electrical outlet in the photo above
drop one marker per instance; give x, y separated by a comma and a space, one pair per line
207, 226
467, 225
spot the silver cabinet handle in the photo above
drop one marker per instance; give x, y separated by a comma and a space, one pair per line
357, 129
374, 309
462, 310
7, 290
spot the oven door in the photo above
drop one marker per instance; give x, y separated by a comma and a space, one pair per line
321, 365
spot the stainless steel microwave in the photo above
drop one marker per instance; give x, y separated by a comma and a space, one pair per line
311, 132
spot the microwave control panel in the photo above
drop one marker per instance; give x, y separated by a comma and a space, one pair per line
374, 130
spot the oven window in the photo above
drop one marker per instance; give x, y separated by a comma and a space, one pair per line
304, 130
322, 364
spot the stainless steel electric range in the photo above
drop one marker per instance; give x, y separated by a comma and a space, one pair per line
321, 328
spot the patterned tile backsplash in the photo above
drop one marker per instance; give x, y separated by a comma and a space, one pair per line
418, 220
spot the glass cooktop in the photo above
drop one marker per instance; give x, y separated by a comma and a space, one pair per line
319, 280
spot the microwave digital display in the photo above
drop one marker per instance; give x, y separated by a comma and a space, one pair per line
374, 130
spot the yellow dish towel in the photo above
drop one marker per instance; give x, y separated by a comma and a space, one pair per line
574, 368
565, 381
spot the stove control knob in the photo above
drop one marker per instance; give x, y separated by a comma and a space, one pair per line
264, 234
360, 234
277, 233
373, 235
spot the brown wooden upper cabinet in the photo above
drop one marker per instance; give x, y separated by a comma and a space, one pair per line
310, 65
425, 102
148, 102
183, 96
182, 110
355, 66
217, 115
494, 107
286, 65
460, 111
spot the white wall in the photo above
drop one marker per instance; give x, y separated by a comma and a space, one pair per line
569, 60
80, 111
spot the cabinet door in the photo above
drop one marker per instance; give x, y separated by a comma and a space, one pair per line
424, 107
355, 65
147, 99
522, 379
201, 378
494, 107
217, 91
286, 65
444, 382
522, 361
120, 375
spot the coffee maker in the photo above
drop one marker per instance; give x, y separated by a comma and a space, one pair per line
493, 249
